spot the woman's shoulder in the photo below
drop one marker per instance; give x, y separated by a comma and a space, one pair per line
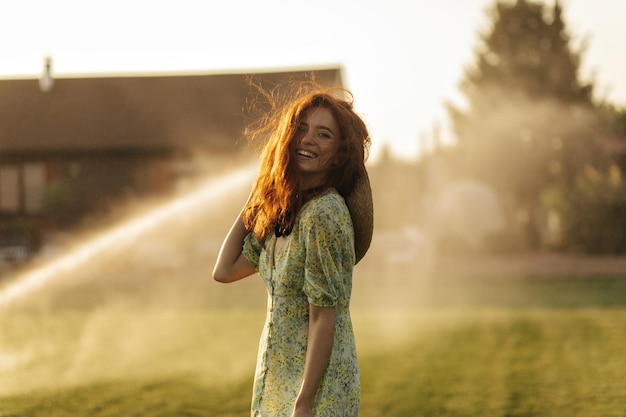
329, 203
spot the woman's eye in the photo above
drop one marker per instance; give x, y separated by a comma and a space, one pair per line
324, 135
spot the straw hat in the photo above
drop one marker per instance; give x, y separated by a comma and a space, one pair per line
361, 208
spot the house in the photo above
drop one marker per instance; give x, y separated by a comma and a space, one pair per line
71, 147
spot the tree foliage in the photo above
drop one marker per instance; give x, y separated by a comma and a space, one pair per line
528, 50
592, 211
529, 121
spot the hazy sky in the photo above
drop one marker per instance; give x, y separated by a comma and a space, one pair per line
402, 58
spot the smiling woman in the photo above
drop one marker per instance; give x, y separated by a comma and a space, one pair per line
317, 145
298, 232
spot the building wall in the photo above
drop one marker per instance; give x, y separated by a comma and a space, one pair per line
67, 188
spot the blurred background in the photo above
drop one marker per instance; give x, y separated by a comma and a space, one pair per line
495, 284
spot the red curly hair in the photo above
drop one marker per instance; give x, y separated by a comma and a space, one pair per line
277, 196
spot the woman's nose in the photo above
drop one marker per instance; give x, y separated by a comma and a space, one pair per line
307, 137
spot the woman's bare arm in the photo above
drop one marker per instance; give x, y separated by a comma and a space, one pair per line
231, 265
319, 347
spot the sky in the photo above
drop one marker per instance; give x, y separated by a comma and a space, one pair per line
402, 59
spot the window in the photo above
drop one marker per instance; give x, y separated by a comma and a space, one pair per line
34, 183
22, 187
9, 188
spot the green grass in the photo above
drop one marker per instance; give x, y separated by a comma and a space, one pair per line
533, 363
521, 348
175, 396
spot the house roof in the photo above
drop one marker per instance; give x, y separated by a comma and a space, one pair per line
142, 112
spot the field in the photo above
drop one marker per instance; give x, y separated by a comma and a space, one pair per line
141, 330
535, 346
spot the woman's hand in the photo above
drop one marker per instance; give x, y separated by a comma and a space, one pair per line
302, 412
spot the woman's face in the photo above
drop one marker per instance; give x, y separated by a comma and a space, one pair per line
317, 141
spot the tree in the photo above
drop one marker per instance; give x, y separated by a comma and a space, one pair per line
591, 208
529, 121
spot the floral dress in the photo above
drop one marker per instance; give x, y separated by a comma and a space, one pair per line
313, 266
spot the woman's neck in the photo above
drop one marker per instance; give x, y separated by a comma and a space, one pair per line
312, 181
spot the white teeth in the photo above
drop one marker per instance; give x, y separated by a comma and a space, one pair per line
306, 153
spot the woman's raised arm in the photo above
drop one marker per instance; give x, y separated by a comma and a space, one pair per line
231, 265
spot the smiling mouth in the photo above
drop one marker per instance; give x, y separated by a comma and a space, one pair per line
306, 154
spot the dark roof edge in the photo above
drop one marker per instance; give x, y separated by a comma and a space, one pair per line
187, 73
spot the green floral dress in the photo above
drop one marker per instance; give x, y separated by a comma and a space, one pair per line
313, 266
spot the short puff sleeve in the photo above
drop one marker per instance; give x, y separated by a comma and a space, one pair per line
251, 250
325, 241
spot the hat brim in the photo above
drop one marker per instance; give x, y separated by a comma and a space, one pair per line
361, 207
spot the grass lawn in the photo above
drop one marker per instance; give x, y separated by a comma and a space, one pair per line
536, 347
495, 363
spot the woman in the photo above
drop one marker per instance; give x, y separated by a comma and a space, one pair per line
297, 231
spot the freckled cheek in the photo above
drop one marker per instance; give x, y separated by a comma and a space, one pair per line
329, 156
